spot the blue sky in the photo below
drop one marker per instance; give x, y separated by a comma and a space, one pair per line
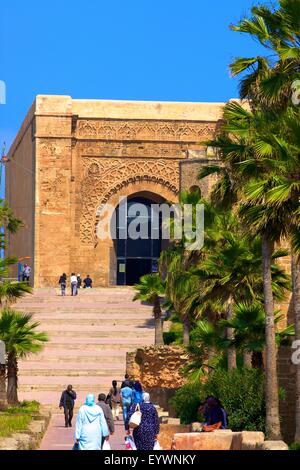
116, 49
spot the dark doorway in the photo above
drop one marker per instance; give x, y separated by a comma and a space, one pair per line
135, 258
136, 268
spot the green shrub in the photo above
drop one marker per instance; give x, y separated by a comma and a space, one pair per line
175, 335
295, 446
241, 392
186, 402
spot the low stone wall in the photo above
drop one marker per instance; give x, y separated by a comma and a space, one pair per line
158, 366
167, 432
159, 370
225, 440
31, 438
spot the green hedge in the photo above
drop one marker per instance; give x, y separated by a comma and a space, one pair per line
240, 390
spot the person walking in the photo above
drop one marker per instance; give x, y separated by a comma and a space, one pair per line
115, 397
91, 426
67, 402
107, 412
63, 284
87, 282
20, 271
146, 434
26, 273
79, 281
126, 401
137, 396
126, 382
73, 284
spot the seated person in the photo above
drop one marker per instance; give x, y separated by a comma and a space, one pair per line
214, 414
87, 282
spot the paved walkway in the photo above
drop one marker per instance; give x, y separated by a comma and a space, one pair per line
58, 437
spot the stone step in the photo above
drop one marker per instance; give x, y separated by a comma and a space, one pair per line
92, 306
109, 372
71, 346
82, 383
89, 336
52, 397
74, 365
95, 357
106, 323
75, 317
142, 335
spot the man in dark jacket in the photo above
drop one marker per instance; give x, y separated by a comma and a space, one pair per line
107, 412
126, 382
67, 400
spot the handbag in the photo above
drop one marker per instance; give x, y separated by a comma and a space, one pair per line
136, 418
157, 446
106, 446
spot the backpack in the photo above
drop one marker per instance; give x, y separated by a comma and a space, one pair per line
126, 394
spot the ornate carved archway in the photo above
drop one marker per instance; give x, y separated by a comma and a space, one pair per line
107, 179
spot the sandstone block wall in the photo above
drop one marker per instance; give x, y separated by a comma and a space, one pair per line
159, 370
20, 192
82, 154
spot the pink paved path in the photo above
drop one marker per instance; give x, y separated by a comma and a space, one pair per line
58, 437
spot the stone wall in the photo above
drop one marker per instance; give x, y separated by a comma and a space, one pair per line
20, 192
82, 154
159, 370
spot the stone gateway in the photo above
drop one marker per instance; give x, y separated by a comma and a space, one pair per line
72, 156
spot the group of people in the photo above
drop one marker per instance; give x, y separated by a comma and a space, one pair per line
75, 283
95, 421
24, 271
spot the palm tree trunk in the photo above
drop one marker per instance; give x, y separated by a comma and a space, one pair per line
296, 307
210, 356
12, 380
271, 379
186, 331
3, 399
247, 359
159, 339
231, 352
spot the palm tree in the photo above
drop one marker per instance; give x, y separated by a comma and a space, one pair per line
149, 290
246, 153
268, 80
248, 322
269, 84
21, 338
3, 399
10, 291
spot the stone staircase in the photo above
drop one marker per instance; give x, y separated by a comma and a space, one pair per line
89, 337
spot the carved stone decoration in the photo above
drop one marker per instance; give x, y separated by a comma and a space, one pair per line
133, 149
124, 130
53, 189
107, 176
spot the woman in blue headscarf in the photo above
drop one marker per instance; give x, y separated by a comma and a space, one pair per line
91, 426
137, 396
